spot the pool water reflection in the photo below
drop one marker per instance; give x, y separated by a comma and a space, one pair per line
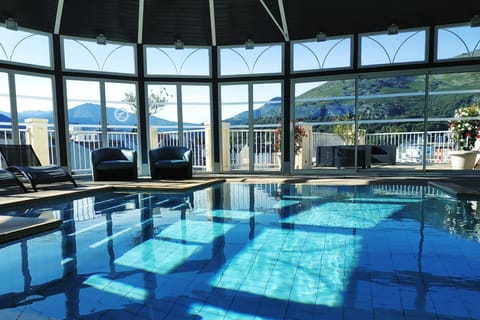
249, 251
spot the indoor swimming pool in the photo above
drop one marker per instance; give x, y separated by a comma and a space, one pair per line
248, 251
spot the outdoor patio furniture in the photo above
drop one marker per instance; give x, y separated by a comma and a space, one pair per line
114, 164
325, 156
345, 156
385, 153
342, 156
21, 160
8, 181
171, 162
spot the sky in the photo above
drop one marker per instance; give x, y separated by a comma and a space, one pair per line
36, 93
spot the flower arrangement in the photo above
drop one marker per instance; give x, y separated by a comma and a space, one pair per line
464, 129
299, 134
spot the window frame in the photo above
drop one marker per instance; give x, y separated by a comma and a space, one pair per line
96, 72
292, 56
50, 47
252, 75
379, 65
436, 47
190, 76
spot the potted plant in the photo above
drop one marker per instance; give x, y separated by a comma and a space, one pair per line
464, 129
299, 134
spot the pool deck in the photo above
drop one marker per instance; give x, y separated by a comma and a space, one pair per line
12, 228
17, 227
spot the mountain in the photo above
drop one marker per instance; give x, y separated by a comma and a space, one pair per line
4, 117
270, 112
399, 97
90, 113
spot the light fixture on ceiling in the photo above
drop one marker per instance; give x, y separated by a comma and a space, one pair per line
249, 44
475, 22
321, 36
392, 29
11, 24
101, 39
179, 44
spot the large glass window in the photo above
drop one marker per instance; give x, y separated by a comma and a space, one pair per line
196, 120
121, 114
262, 59
331, 53
84, 120
175, 62
27, 113
180, 115
448, 93
391, 113
407, 46
251, 115
100, 113
458, 42
88, 55
16, 47
163, 115
325, 113
234, 142
34, 100
5, 111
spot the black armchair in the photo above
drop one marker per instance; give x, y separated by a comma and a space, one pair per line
171, 162
114, 164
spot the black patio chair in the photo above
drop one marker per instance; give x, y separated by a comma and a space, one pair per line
21, 160
8, 181
171, 162
114, 164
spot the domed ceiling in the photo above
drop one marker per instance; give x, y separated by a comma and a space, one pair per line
228, 22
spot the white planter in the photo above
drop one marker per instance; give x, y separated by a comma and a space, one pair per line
463, 160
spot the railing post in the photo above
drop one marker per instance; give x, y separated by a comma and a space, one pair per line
208, 147
37, 136
153, 138
225, 146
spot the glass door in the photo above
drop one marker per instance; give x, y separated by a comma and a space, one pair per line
251, 114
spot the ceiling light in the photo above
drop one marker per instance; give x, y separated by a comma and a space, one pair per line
101, 39
321, 36
179, 45
475, 22
249, 44
392, 29
11, 24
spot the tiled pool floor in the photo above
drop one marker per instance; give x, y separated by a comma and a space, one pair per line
249, 251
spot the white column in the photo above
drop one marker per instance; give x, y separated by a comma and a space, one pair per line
37, 137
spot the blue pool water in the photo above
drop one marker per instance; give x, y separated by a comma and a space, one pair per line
249, 251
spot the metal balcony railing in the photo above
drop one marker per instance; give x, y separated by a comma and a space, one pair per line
85, 138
